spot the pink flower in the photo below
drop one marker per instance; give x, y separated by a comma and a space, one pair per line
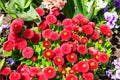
49, 72
40, 11
6, 71
67, 22
46, 33
84, 40
16, 26
70, 28
65, 35
19, 19
75, 68
71, 57
71, 77
58, 60
73, 46
48, 54
36, 38
88, 30
75, 37
55, 11
23, 69
58, 51
82, 49
28, 33
83, 66
43, 25
27, 52
25, 76
66, 49
95, 35
79, 16
54, 36
46, 44
51, 19
20, 43
15, 76
103, 58
34, 71
42, 76
13, 36
8, 46
88, 76
92, 50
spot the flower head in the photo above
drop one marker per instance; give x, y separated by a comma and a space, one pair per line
34, 71
6, 71
117, 74
51, 19
95, 35
48, 54
71, 77
36, 38
11, 61
46, 43
25, 76
8, 46
84, 40
54, 36
103, 58
88, 30
58, 51
40, 11
58, 60
83, 66
49, 72
27, 52
42, 76
43, 25
46, 33
23, 69
15, 76
93, 64
65, 35
28, 33
88, 76
66, 49
67, 22
71, 57
82, 49
20, 43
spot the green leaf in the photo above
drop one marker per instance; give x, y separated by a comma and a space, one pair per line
2, 5
12, 6
21, 3
68, 9
90, 14
2, 63
7, 53
27, 3
30, 15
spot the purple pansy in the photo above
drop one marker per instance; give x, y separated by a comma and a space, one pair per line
117, 74
109, 73
111, 18
117, 3
10, 61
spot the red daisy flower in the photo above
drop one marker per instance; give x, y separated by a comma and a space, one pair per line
34, 71
84, 40
103, 58
8, 46
15, 76
46, 33
83, 66
42, 76
88, 76
20, 43
92, 50
70, 28
79, 16
40, 11
82, 49
49, 72
63, 71
55, 11
58, 23
73, 46
93, 64
48, 54
6, 71
88, 30
92, 24
67, 22
75, 21
71, 71
105, 29
75, 68
66, 49
71, 77
19, 19
43, 25
75, 37
28, 33
51, 19
27, 52
13, 36
25, 76
58, 52
95, 35
84, 21
46, 43
16, 26
96, 57
34, 58
36, 38
79, 29
58, 60
65, 35
71, 57
23, 69
54, 36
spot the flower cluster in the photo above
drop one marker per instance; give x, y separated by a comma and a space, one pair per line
111, 19
114, 73
49, 4
65, 44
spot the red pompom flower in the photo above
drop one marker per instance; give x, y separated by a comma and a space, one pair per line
36, 38
83, 66
65, 35
46, 33
28, 33
42, 76
54, 36
48, 54
6, 71
23, 69
34, 71
88, 76
84, 40
95, 35
20, 43
103, 58
43, 25
8, 46
93, 64
51, 19
46, 44
67, 22
57, 51
66, 49
40, 11
49, 72
58, 60
15, 76
27, 52
82, 49
88, 30
71, 57
71, 77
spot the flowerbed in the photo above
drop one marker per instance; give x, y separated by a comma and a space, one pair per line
47, 43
